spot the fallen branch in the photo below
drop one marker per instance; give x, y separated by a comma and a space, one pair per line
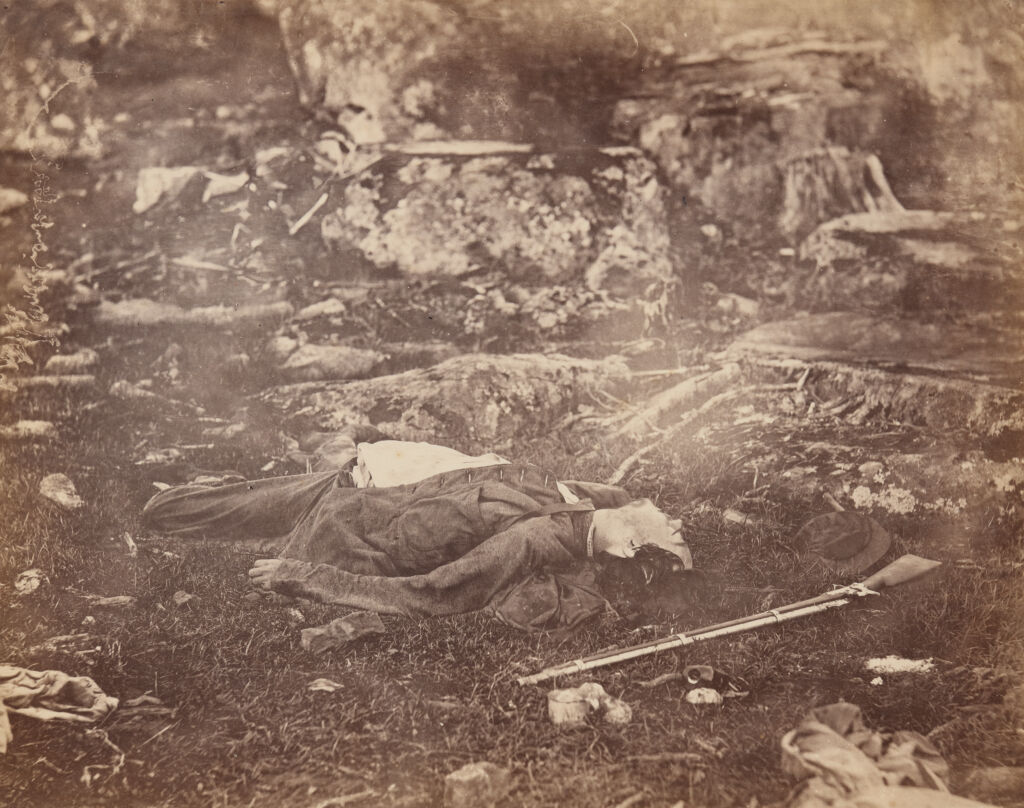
681, 395
688, 418
303, 220
669, 757
195, 263
75, 381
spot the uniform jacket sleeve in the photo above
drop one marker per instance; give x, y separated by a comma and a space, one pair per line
463, 585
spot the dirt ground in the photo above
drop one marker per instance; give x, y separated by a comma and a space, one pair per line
231, 720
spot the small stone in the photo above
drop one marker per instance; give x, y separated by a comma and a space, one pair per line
704, 695
77, 362
281, 347
324, 308
182, 598
476, 785
323, 685
114, 602
871, 469
341, 631
29, 430
11, 199
59, 488
29, 581
62, 123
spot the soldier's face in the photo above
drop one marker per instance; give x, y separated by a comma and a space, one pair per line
640, 523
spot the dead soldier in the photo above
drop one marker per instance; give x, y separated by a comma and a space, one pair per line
417, 529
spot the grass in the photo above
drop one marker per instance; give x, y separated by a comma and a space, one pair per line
242, 729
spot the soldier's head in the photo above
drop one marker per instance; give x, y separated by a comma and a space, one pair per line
623, 531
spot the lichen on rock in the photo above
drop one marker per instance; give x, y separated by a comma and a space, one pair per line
550, 218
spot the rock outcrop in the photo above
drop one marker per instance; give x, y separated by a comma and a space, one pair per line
477, 399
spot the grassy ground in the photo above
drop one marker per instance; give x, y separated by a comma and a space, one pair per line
236, 724
241, 728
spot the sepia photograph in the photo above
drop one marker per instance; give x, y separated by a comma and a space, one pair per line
512, 404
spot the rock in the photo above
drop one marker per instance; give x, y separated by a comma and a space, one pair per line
324, 308
319, 362
964, 351
156, 183
78, 362
738, 306
341, 631
29, 430
279, 348
29, 581
476, 785
113, 602
59, 488
63, 123
704, 695
223, 184
410, 70
478, 397
924, 236
143, 312
11, 199
1001, 785
751, 150
182, 598
596, 215
323, 686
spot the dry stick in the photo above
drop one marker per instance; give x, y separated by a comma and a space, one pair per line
687, 419
303, 220
195, 263
682, 394
630, 801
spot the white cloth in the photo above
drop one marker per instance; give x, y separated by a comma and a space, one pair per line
388, 463
49, 696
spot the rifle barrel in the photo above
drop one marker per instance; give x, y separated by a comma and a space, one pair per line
684, 638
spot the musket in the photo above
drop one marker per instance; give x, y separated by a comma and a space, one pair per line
904, 569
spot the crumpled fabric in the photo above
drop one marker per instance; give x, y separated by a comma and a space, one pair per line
841, 758
553, 602
49, 696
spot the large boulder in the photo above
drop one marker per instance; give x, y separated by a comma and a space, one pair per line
477, 399
593, 215
752, 131
413, 69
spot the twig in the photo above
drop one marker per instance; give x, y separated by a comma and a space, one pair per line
161, 732
626, 803
668, 757
687, 418
195, 263
87, 776
335, 802
831, 500
680, 395
303, 220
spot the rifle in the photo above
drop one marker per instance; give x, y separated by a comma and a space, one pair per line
902, 570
